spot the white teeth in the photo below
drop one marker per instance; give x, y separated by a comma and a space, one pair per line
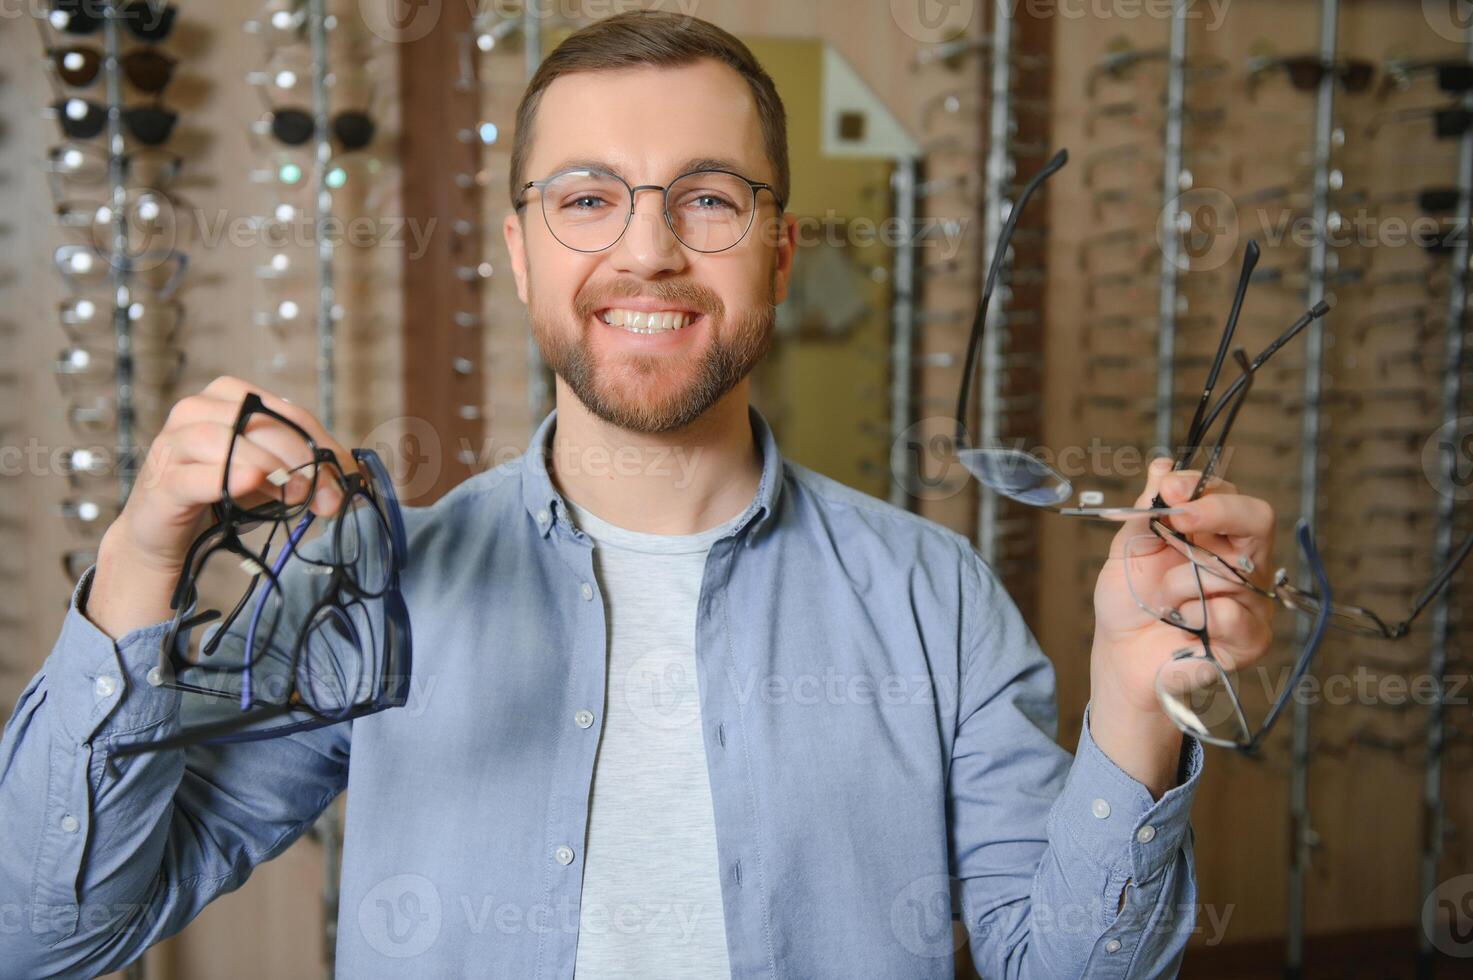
638, 321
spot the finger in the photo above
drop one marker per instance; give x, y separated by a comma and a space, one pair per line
1179, 585
1140, 523
272, 434
1237, 634
256, 474
234, 390
1178, 487
1235, 516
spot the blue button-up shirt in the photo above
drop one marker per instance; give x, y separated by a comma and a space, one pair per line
879, 727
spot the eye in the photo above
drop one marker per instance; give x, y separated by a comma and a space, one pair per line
583, 202
707, 201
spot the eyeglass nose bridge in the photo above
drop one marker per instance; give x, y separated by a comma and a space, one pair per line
664, 211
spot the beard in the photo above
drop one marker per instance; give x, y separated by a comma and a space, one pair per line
635, 393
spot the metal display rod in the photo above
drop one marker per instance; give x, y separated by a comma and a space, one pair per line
902, 327
327, 828
1169, 229
999, 175
322, 160
1303, 837
118, 260
539, 397
118, 269
1433, 818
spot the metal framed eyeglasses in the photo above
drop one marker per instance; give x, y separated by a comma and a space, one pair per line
588, 210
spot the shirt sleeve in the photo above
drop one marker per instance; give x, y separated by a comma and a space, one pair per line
101, 863
1045, 846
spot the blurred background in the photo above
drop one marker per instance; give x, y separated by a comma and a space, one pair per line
357, 267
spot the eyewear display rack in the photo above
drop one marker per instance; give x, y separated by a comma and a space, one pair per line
539, 393
327, 829
118, 259
1434, 829
903, 181
1168, 228
997, 195
1302, 837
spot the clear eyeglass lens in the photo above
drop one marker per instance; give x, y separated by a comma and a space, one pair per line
1016, 475
1197, 694
586, 210
330, 665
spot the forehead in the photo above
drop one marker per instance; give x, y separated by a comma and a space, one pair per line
646, 123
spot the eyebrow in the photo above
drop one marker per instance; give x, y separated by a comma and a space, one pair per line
688, 166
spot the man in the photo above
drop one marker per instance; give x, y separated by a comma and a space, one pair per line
685, 708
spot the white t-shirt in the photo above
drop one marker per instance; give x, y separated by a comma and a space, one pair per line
651, 905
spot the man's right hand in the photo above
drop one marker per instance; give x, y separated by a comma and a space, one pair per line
142, 553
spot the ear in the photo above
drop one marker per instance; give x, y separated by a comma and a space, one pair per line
516, 247
784, 250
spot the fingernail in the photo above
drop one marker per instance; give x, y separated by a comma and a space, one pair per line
1160, 464
1179, 483
278, 477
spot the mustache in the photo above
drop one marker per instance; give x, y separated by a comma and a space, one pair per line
679, 292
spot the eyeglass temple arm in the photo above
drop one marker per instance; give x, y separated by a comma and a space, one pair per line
1316, 633
1055, 163
1313, 313
1194, 430
287, 548
1246, 378
1439, 581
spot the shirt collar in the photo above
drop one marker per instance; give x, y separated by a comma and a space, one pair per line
544, 504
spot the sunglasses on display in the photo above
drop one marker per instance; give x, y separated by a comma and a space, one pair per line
147, 69
145, 20
83, 119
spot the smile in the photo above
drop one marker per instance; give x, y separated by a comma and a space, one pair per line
640, 321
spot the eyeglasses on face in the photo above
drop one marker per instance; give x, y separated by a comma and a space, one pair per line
588, 210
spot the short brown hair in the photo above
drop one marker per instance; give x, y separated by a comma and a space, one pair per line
654, 37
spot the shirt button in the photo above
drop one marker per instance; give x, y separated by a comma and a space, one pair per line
1100, 809
583, 718
105, 686
69, 824
1113, 946
586, 591
543, 516
563, 854
155, 676
1146, 834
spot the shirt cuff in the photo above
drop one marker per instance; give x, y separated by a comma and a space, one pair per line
97, 681
1112, 817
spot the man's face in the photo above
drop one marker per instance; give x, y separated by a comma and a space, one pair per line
647, 125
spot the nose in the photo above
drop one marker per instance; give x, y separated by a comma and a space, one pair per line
648, 246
